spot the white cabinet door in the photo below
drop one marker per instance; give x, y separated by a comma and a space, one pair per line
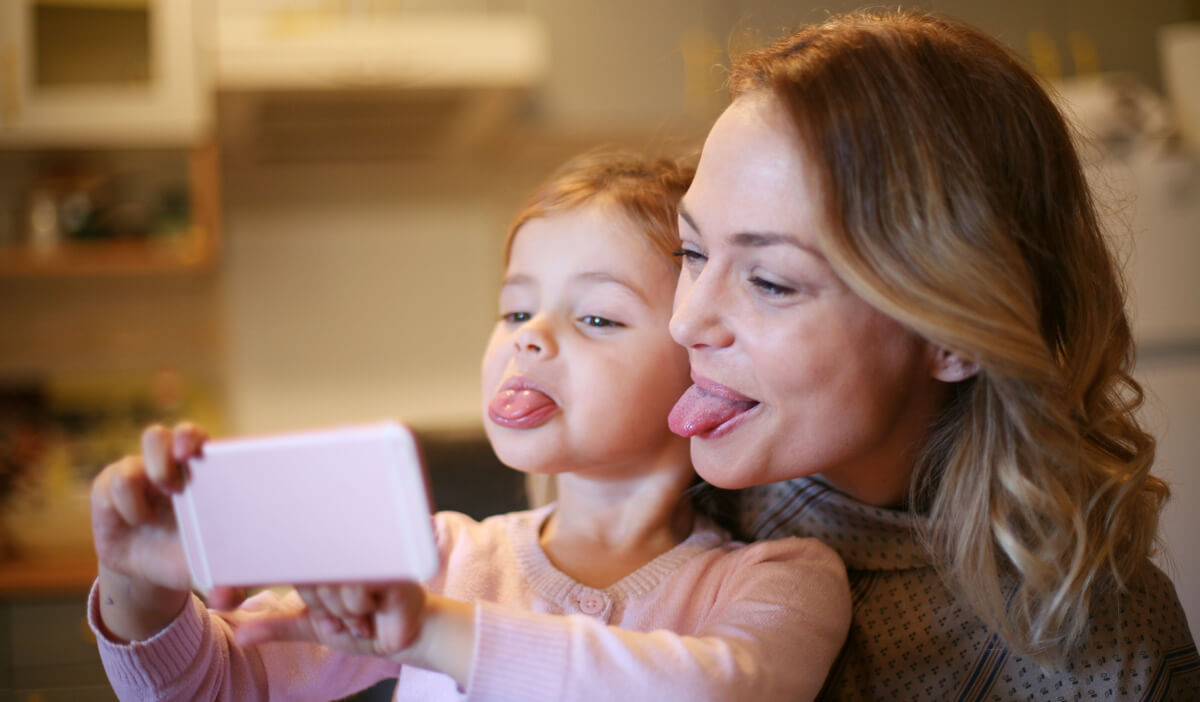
102, 73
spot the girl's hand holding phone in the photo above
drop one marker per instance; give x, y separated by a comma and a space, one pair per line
398, 620
144, 578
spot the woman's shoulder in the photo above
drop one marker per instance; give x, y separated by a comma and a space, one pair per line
1148, 611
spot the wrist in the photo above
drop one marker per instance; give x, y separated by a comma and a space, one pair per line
446, 641
134, 609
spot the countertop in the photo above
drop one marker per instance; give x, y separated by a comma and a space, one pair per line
47, 574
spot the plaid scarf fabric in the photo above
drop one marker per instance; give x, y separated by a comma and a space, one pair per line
910, 640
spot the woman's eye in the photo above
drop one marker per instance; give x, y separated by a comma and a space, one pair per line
773, 289
592, 320
689, 255
516, 317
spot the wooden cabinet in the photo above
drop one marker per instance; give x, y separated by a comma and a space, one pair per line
83, 83
102, 72
47, 651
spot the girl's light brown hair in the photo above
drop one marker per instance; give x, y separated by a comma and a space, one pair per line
956, 204
646, 191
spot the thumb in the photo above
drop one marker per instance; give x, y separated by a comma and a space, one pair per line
273, 626
226, 598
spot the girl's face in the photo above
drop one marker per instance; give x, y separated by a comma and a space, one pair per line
794, 373
581, 372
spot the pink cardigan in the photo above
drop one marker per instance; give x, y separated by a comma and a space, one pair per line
708, 620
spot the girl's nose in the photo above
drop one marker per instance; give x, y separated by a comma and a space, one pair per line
534, 337
698, 317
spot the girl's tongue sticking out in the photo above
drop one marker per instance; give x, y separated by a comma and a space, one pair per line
521, 406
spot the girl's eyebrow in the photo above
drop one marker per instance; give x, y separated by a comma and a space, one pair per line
605, 277
758, 239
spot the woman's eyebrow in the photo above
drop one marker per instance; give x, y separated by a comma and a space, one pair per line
683, 214
518, 279
758, 239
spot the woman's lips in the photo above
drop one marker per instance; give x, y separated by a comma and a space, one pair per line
520, 403
708, 409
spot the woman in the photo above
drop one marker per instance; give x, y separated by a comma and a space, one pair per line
897, 299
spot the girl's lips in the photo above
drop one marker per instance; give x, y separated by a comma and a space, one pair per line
521, 403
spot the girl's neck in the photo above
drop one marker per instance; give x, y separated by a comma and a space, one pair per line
601, 531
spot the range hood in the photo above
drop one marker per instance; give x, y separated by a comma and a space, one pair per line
407, 84
429, 50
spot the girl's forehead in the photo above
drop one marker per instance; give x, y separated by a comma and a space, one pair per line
595, 231
589, 248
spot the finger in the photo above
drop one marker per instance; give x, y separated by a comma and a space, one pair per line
188, 441
398, 622
102, 502
160, 465
358, 599
226, 598
331, 599
361, 627
293, 626
312, 600
127, 489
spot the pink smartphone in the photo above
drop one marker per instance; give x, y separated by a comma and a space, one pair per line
338, 505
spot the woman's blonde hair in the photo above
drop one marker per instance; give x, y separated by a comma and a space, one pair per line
956, 204
645, 190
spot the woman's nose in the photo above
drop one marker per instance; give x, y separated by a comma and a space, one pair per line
698, 317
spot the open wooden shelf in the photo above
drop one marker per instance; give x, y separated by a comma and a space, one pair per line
195, 250
189, 253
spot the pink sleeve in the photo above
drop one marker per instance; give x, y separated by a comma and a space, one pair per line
196, 658
772, 633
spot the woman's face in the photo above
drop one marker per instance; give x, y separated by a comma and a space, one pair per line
794, 373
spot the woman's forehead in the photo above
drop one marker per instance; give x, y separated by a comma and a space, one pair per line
753, 176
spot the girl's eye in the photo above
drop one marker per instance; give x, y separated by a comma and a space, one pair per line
592, 320
772, 289
516, 317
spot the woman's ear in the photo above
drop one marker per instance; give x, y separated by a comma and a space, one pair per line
949, 367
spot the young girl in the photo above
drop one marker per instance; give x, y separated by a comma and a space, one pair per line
617, 589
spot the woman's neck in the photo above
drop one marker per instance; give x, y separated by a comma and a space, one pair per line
602, 530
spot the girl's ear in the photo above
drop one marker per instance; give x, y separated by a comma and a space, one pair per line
949, 367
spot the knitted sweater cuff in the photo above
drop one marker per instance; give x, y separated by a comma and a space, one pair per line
518, 655
158, 660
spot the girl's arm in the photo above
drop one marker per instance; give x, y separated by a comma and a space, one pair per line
769, 630
196, 657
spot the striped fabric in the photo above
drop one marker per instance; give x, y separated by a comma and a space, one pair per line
911, 641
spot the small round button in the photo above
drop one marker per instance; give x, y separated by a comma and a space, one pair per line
591, 604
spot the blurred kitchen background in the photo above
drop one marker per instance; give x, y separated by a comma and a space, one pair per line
269, 215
